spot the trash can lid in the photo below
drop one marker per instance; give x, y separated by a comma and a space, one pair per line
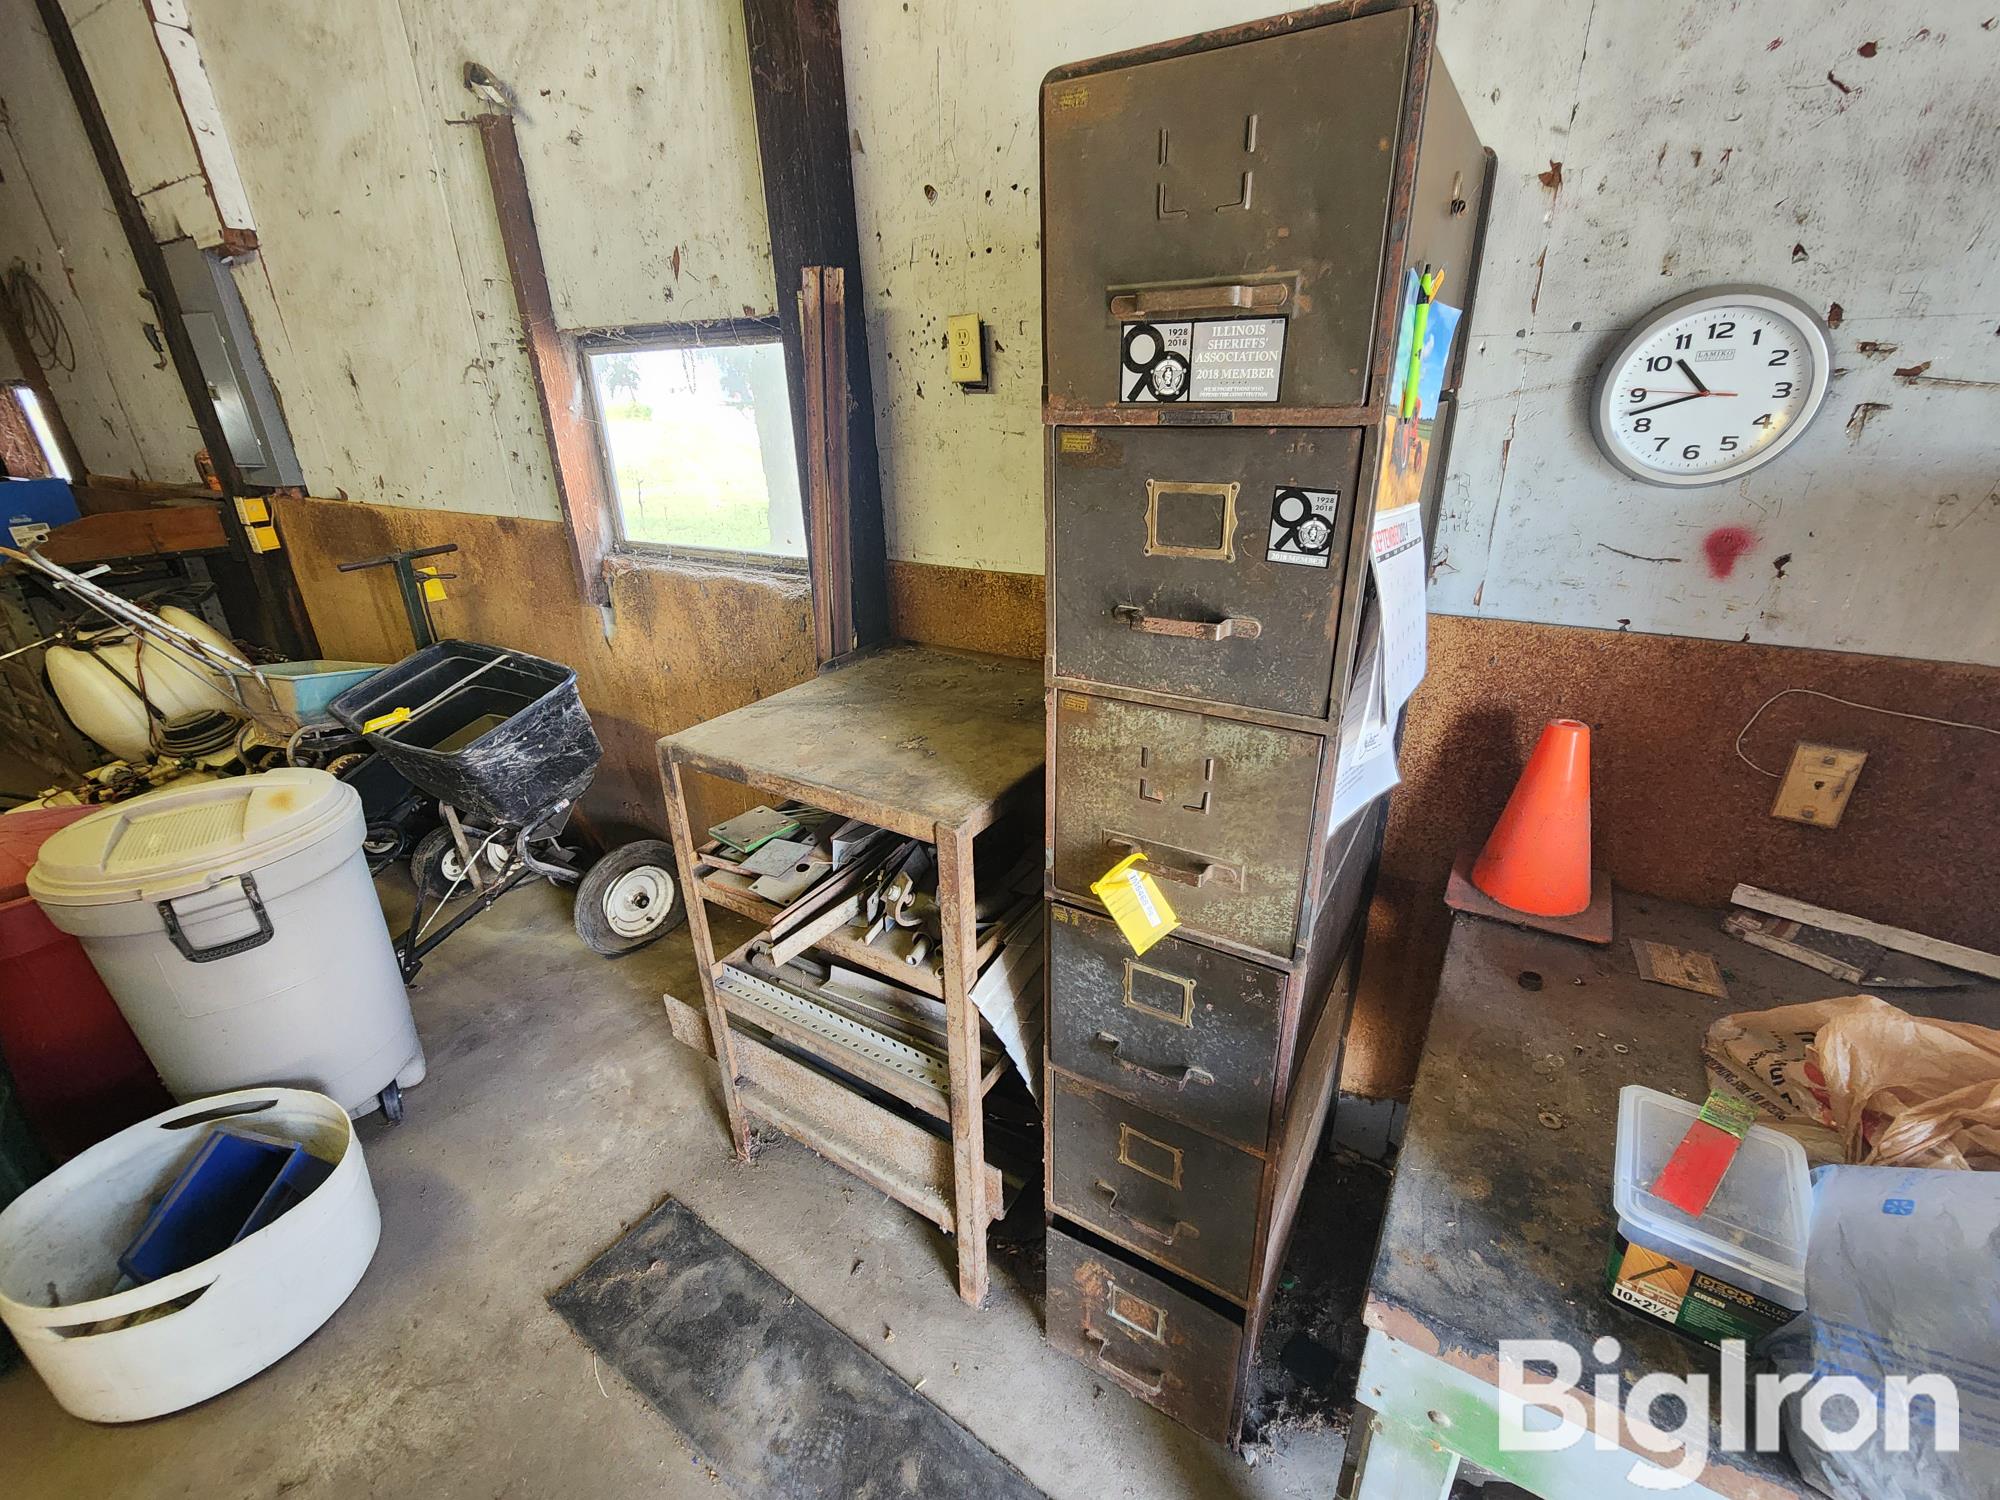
179, 839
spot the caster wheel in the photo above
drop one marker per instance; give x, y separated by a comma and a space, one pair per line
629, 898
392, 1103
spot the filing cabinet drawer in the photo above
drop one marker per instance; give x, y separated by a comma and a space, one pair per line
1222, 810
1205, 563
1179, 1197
1221, 190
1184, 1030
1163, 1346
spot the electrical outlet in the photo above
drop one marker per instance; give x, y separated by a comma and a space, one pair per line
1818, 783
966, 343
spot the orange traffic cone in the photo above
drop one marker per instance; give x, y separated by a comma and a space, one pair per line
1537, 859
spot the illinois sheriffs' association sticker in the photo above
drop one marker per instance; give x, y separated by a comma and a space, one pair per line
1234, 360
1302, 526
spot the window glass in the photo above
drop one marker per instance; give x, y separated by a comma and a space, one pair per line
698, 440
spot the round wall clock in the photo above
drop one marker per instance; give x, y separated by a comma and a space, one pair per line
1711, 385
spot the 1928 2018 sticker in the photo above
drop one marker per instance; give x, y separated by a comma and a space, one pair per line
1208, 359
1302, 526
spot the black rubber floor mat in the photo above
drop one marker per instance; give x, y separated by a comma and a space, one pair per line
781, 1403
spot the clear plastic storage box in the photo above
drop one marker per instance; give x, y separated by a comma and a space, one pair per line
1754, 1233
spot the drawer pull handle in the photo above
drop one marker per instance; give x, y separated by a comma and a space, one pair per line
1234, 627
1143, 1382
1181, 866
1151, 302
1176, 1080
1164, 1237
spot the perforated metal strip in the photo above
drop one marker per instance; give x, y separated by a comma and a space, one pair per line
834, 1027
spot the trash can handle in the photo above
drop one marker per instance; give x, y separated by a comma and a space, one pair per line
234, 946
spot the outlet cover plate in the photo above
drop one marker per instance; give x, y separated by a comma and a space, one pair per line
1818, 783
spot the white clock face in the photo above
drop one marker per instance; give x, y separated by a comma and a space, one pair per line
1711, 386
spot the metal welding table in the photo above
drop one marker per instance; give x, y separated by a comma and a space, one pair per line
934, 745
1499, 1222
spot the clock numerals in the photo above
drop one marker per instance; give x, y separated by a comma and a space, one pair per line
1680, 403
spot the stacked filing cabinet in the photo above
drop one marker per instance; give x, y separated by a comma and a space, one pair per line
1228, 224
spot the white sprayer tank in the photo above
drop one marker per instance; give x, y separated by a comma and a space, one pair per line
236, 925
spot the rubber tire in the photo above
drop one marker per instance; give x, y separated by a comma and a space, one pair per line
431, 853
392, 843
594, 926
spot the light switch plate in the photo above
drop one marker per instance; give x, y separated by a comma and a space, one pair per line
967, 348
1817, 785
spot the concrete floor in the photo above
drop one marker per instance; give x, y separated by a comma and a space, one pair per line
557, 1112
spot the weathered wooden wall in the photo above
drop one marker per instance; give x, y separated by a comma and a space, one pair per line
124, 404
687, 642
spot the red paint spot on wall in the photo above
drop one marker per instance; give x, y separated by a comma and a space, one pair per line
1724, 545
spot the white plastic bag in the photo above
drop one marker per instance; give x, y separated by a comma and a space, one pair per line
1902, 1289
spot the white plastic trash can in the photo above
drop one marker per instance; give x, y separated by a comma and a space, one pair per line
236, 926
123, 1356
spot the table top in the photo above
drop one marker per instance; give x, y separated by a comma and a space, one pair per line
1499, 1222
908, 737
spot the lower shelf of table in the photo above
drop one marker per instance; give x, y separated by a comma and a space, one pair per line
895, 1155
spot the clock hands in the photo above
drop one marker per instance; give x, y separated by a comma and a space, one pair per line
1676, 401
1696, 394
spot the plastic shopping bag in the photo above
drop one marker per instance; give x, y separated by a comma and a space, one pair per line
1858, 1080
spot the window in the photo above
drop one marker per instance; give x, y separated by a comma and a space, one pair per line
696, 427
28, 446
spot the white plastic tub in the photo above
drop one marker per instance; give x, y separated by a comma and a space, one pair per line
236, 925
204, 1329
1735, 1271
1755, 1231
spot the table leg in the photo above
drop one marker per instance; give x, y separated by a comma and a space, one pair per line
704, 957
968, 1100
1398, 1462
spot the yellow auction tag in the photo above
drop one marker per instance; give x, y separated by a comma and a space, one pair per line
1135, 903
389, 720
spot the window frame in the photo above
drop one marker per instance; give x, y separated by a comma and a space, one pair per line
648, 337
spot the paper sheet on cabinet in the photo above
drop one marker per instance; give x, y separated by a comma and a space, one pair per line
1367, 764
1009, 996
1396, 551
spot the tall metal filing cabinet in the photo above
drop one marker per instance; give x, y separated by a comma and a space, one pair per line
1229, 224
